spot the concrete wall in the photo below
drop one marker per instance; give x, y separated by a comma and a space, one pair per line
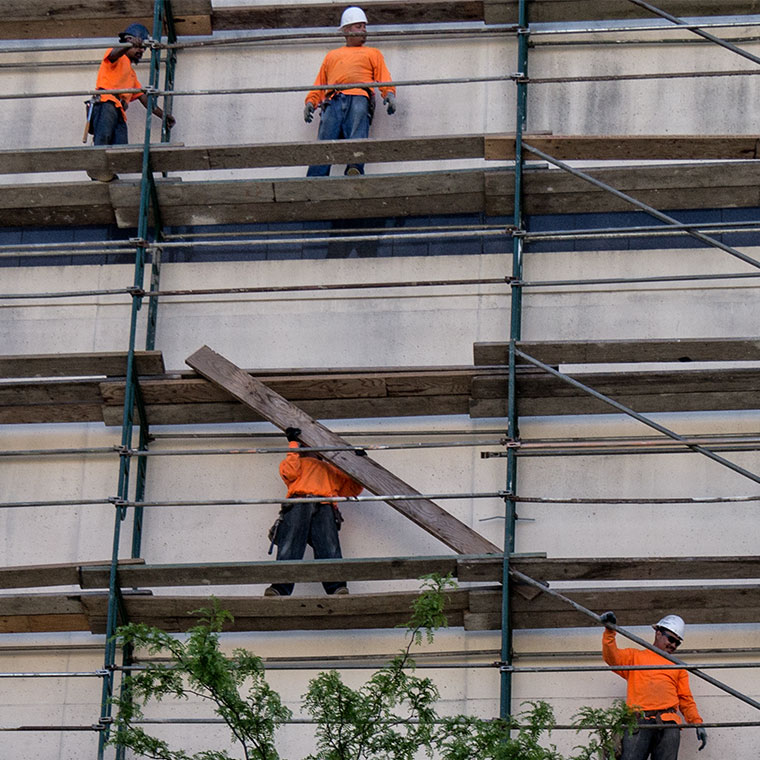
373, 328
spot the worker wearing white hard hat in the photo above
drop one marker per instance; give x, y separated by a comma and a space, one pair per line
346, 112
657, 696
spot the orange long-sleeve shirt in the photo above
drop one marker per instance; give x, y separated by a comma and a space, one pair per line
307, 476
347, 65
118, 75
651, 689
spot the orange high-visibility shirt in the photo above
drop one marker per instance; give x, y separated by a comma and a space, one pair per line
118, 75
651, 689
347, 65
307, 476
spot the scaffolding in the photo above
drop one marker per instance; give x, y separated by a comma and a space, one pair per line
137, 373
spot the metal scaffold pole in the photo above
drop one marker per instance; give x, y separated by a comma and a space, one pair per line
505, 696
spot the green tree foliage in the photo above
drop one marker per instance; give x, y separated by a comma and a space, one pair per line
236, 687
392, 716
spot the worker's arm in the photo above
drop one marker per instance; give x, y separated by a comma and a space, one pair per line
117, 52
686, 703
614, 656
381, 74
290, 467
157, 110
315, 97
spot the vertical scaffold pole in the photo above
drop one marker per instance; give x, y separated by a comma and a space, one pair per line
515, 328
131, 396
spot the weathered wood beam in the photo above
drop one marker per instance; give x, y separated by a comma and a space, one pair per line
370, 474
628, 147
634, 606
471, 568
63, 19
173, 614
63, 574
109, 364
176, 157
628, 351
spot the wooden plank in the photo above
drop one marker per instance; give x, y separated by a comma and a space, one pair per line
335, 385
43, 623
301, 571
481, 569
173, 614
627, 147
328, 14
371, 475
610, 351
328, 409
109, 363
719, 604
177, 157
66, 574
87, 18
50, 413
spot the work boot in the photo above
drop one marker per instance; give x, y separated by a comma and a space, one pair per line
352, 171
342, 591
100, 177
271, 591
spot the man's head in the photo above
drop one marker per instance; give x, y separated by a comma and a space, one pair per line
136, 34
353, 26
669, 632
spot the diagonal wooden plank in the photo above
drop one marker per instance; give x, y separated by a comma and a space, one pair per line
370, 474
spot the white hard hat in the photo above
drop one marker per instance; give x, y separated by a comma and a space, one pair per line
672, 623
352, 15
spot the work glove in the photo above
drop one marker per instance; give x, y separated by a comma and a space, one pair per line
609, 617
308, 112
390, 101
701, 737
292, 434
360, 452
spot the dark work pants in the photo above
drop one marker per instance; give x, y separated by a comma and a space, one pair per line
655, 743
343, 117
311, 523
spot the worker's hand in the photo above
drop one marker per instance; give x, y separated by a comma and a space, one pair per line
609, 617
360, 452
701, 737
308, 112
390, 102
292, 433
170, 121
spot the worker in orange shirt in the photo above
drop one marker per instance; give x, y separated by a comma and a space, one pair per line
108, 118
314, 522
656, 695
347, 113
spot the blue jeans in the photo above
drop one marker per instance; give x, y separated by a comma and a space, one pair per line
108, 125
343, 117
312, 523
657, 743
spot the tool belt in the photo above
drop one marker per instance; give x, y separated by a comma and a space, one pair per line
657, 714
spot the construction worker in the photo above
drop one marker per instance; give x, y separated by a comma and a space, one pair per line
108, 118
655, 695
314, 522
347, 113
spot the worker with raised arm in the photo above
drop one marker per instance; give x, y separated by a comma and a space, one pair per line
108, 118
315, 522
347, 113
655, 695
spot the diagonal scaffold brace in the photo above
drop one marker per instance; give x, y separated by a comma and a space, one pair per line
527, 580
